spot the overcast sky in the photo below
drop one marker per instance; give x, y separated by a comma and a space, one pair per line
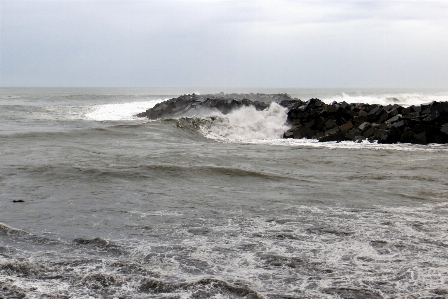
224, 43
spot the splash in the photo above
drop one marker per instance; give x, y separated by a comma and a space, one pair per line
247, 123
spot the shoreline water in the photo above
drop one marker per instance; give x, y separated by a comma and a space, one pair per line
119, 206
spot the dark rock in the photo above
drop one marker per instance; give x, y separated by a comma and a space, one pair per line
374, 110
358, 120
417, 109
380, 134
364, 126
369, 132
353, 133
420, 138
405, 111
338, 136
299, 133
383, 126
332, 131
332, 108
18, 200
422, 124
426, 111
382, 115
394, 118
362, 113
407, 137
392, 112
296, 121
288, 134
437, 109
330, 124
444, 128
346, 126
394, 135
412, 115
398, 124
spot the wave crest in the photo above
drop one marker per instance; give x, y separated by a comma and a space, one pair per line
247, 123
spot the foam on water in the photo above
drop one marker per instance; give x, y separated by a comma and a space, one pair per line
314, 143
305, 252
402, 99
124, 111
119, 111
247, 123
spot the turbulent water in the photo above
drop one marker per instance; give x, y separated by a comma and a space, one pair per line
212, 206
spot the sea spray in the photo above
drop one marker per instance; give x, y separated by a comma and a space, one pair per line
404, 99
247, 123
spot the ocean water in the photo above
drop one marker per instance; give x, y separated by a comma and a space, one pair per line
212, 206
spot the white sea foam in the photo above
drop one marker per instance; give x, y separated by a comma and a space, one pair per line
100, 112
247, 123
403, 99
314, 143
119, 111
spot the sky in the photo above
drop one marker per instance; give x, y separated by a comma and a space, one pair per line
237, 43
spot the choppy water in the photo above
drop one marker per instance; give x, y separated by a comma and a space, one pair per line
212, 207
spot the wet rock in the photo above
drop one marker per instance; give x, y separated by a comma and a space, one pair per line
358, 120
364, 126
346, 126
223, 103
314, 119
398, 124
407, 137
394, 118
444, 128
330, 124
369, 132
420, 138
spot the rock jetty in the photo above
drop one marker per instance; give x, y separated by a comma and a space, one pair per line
314, 119
224, 103
422, 124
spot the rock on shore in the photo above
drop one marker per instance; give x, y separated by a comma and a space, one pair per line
422, 124
313, 119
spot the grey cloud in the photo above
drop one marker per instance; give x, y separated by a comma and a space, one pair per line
223, 43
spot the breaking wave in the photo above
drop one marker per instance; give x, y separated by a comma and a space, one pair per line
247, 123
402, 99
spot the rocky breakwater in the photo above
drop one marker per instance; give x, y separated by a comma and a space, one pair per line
193, 104
422, 124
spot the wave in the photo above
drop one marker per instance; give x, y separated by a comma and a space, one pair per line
119, 111
403, 99
243, 124
251, 126
142, 172
124, 111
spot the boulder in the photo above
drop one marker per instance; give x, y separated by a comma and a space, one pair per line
444, 128
422, 124
345, 127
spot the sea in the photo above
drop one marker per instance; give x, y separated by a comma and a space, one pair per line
98, 203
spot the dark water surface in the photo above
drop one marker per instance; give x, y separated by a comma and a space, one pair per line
119, 207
